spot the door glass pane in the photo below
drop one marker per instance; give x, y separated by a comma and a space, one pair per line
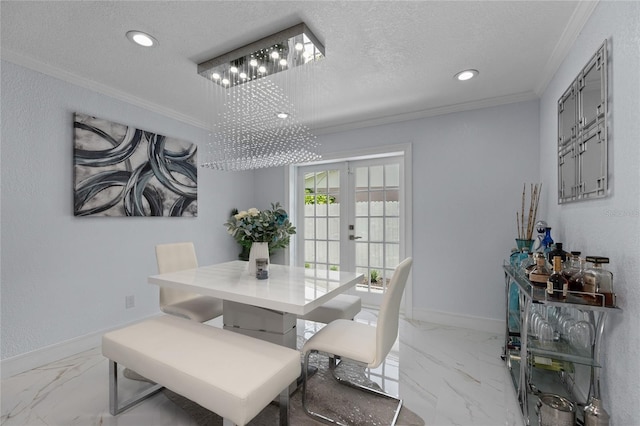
376, 177
334, 228
309, 228
362, 177
392, 176
376, 206
321, 229
392, 229
362, 203
362, 254
376, 255
377, 229
321, 252
334, 252
309, 252
392, 255
362, 228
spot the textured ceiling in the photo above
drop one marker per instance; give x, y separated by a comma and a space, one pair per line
385, 61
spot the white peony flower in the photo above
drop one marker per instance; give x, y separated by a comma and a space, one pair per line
253, 211
240, 215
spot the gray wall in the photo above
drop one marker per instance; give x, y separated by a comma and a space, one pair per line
611, 226
64, 277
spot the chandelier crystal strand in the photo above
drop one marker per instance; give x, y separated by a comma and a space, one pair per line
249, 135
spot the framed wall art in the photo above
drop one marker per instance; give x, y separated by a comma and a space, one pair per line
123, 171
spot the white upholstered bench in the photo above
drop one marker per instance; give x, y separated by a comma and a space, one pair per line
343, 306
233, 375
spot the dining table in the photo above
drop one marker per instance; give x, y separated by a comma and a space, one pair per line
262, 308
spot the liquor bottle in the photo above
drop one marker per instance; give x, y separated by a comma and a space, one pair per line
557, 285
571, 266
557, 250
598, 282
576, 281
539, 275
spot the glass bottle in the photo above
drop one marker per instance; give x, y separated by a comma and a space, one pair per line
557, 285
557, 250
540, 273
526, 263
598, 281
522, 256
576, 281
534, 261
513, 257
547, 241
571, 266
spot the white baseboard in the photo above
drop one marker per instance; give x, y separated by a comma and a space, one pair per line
39, 357
457, 320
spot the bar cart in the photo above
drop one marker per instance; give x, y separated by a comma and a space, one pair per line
552, 365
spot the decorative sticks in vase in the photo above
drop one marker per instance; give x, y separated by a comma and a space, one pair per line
526, 232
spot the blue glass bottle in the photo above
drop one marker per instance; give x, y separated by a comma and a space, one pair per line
547, 241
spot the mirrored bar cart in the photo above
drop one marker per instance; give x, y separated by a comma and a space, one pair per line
553, 347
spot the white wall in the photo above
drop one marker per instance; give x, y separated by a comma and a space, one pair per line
468, 172
608, 227
64, 277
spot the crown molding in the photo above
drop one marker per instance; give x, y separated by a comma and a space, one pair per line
431, 112
47, 69
576, 23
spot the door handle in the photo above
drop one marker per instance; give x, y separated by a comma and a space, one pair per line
353, 237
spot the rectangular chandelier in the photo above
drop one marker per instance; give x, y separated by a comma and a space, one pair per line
278, 52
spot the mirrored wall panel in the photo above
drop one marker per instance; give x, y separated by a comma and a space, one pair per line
582, 133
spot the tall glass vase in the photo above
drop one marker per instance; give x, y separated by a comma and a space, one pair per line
258, 251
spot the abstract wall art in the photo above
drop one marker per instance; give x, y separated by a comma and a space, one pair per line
123, 171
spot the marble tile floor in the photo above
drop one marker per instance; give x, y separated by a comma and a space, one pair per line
447, 375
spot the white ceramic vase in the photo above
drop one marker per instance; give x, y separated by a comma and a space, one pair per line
258, 251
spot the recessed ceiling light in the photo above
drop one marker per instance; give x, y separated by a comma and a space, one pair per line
142, 39
466, 75
282, 115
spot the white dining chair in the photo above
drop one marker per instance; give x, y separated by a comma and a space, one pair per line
343, 306
177, 257
363, 343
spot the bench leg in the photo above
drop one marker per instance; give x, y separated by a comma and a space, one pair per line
284, 407
113, 392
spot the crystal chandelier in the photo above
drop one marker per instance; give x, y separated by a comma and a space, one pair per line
258, 125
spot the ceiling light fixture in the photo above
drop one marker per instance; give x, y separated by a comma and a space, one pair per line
257, 123
289, 48
466, 75
142, 39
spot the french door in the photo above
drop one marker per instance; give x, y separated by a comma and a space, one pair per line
350, 217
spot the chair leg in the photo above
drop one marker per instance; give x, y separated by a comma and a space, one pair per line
310, 413
333, 363
342, 381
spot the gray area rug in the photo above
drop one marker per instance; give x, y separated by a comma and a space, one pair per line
324, 395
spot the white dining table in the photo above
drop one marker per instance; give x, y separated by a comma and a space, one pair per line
266, 309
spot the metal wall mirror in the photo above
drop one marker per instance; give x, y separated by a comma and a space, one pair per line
582, 133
